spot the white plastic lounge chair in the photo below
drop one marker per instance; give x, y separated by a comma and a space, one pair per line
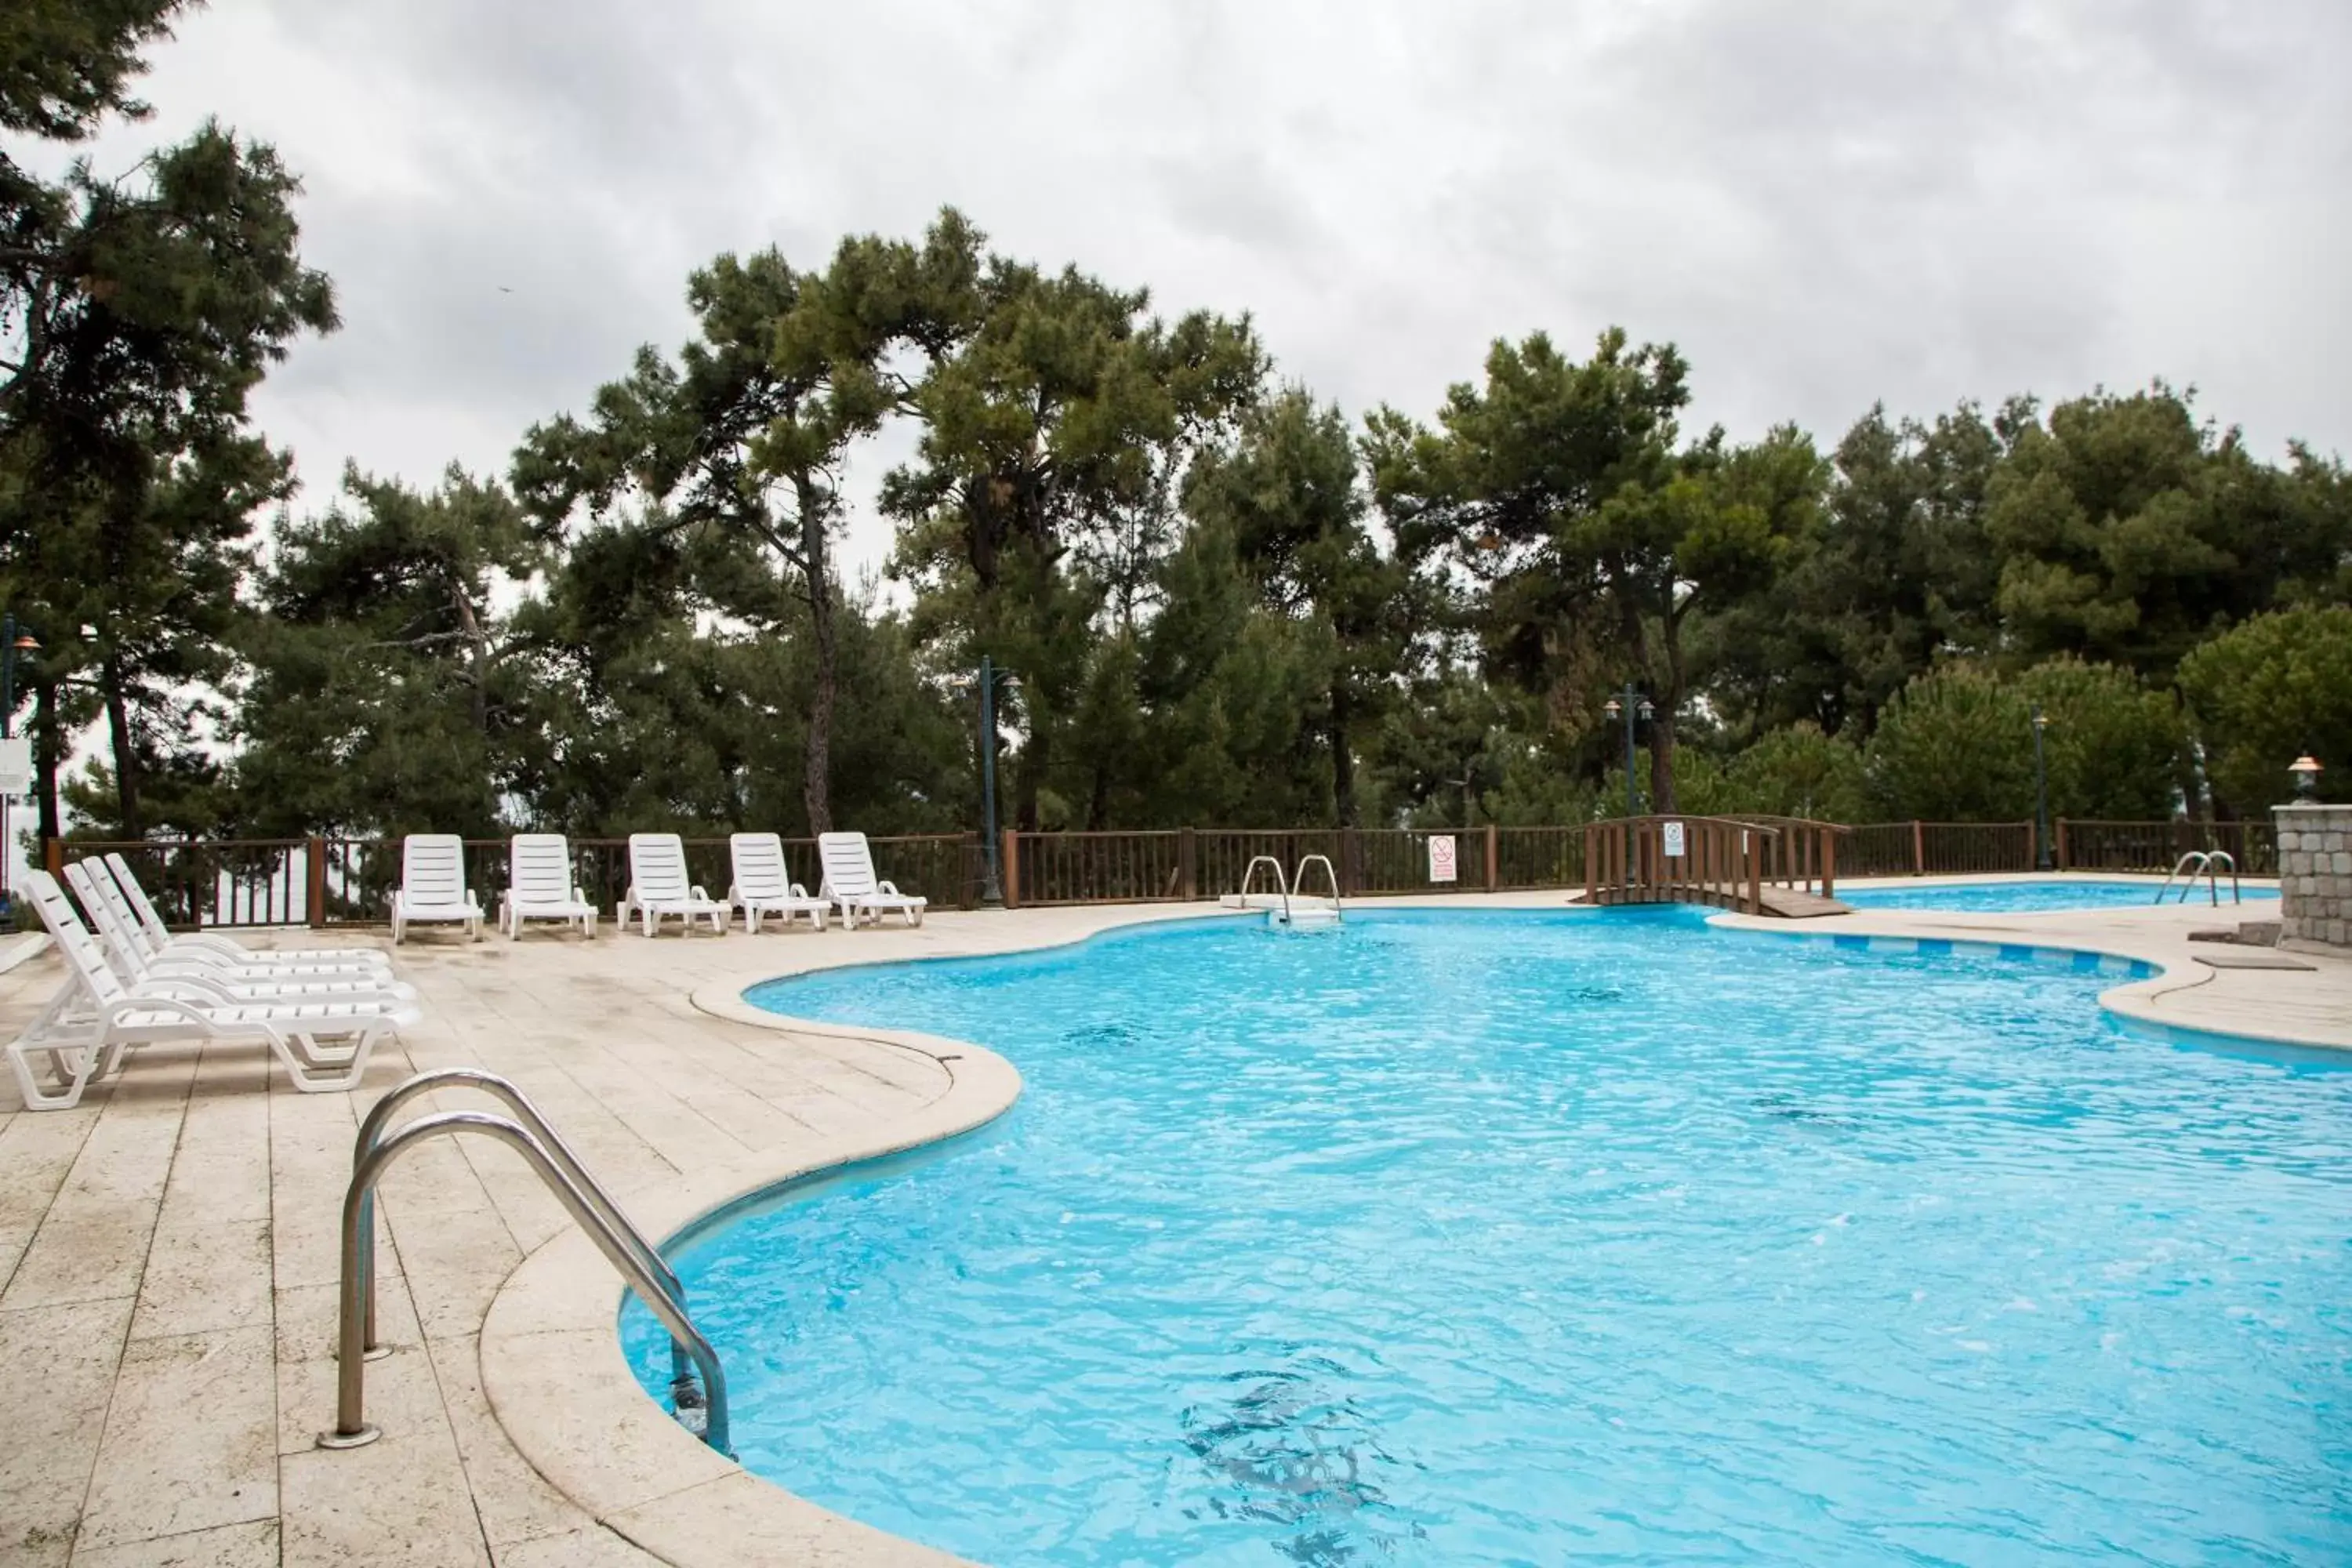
658, 887
850, 882
763, 887
102, 901
94, 1019
539, 886
433, 886
197, 947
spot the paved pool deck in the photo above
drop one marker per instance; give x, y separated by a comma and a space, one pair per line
168, 1250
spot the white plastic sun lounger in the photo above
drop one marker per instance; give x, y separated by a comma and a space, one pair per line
433, 886
95, 1019
762, 886
850, 882
658, 888
207, 947
539, 886
102, 901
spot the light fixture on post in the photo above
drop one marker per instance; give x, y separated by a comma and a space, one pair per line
1629, 705
2040, 793
2307, 770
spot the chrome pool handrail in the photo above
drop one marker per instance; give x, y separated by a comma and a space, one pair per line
527, 1112
1299, 881
1281, 883
2204, 860
624, 1251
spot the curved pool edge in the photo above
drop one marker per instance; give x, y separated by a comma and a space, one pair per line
556, 1379
2136, 1001
550, 1356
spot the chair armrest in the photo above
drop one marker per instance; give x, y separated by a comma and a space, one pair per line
697, 891
890, 888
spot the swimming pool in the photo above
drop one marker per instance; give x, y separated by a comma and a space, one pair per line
1511, 1237
2035, 897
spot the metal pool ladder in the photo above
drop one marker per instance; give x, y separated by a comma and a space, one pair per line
700, 1407
1298, 881
2203, 860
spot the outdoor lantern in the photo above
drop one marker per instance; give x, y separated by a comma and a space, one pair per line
2305, 769
1612, 707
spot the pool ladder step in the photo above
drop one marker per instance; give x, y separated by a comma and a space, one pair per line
697, 1383
1288, 905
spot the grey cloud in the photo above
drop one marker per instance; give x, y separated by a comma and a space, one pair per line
1825, 202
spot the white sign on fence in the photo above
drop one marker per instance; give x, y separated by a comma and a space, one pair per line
1673, 834
1442, 863
16, 765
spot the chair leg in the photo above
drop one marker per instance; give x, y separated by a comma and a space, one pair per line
308, 1075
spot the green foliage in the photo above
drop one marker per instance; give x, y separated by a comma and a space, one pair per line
1799, 771
2265, 693
1957, 746
384, 694
2130, 531
65, 63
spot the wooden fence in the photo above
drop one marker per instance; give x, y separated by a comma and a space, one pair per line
325, 881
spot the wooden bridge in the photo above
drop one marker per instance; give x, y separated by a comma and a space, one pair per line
1778, 865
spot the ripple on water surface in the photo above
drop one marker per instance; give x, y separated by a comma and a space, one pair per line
1524, 1238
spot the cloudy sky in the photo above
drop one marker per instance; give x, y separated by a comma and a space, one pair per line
1825, 203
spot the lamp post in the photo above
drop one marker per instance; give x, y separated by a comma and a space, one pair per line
1634, 704
2305, 769
2041, 792
990, 681
12, 641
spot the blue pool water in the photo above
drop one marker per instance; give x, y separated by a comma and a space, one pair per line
1523, 1238
2033, 897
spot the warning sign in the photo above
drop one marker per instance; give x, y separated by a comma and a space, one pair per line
1672, 833
1442, 863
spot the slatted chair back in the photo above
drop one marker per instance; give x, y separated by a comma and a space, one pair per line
433, 870
540, 868
848, 864
657, 869
759, 865
73, 939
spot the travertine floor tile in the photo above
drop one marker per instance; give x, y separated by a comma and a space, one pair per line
248, 1545
400, 1503
188, 1440
205, 1274
57, 1376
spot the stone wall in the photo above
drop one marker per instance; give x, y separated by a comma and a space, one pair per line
2314, 847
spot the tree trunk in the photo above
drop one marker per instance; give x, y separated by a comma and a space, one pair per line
816, 792
478, 657
126, 751
1662, 761
44, 756
1343, 760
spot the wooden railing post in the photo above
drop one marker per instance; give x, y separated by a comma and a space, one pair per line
1188, 876
1011, 868
1591, 870
1352, 861
2062, 843
314, 894
1755, 873
1493, 859
53, 856
1918, 848
1829, 861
